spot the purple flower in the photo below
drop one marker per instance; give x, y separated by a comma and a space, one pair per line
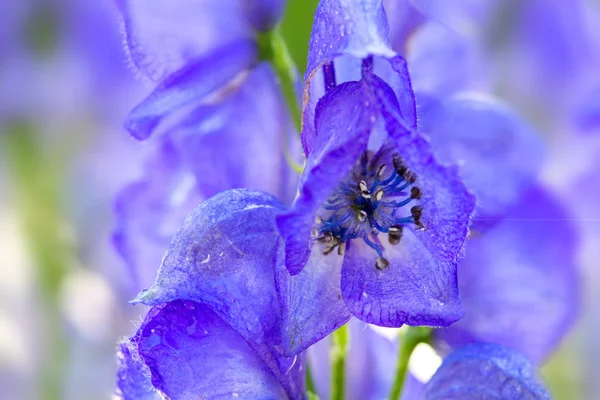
378, 223
215, 308
519, 281
486, 371
218, 114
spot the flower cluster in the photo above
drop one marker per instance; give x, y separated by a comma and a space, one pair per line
416, 206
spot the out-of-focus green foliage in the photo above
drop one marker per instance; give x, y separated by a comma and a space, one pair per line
296, 28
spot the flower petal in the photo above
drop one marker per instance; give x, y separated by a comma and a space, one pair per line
214, 261
519, 281
206, 80
192, 353
162, 36
486, 371
344, 33
133, 376
499, 154
344, 119
316, 287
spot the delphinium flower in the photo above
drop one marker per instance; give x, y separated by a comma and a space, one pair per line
378, 223
214, 327
217, 114
486, 371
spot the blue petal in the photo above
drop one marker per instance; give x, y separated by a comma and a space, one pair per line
133, 376
519, 281
224, 255
316, 287
499, 154
150, 210
443, 61
162, 36
233, 144
486, 371
419, 287
344, 119
263, 14
192, 353
458, 14
344, 33
207, 80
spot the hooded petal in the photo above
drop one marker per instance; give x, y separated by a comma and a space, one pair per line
419, 287
484, 136
162, 36
207, 80
486, 371
344, 33
212, 260
344, 119
192, 353
519, 280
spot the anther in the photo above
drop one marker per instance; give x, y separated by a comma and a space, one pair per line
417, 212
381, 263
381, 170
395, 234
403, 170
379, 194
341, 248
364, 190
361, 215
415, 192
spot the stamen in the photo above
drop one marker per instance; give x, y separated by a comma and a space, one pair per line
415, 193
361, 215
341, 248
395, 234
381, 170
381, 263
379, 194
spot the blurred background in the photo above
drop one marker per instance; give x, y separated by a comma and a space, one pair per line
65, 89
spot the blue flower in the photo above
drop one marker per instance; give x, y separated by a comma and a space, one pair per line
519, 281
378, 223
486, 371
218, 114
215, 307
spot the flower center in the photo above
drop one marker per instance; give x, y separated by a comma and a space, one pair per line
374, 198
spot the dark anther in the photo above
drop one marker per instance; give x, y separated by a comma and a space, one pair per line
395, 234
417, 212
403, 170
381, 263
341, 249
328, 250
415, 192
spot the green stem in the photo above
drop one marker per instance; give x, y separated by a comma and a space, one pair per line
37, 196
273, 49
407, 343
339, 349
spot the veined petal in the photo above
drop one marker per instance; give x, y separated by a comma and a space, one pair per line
519, 281
207, 80
344, 119
486, 371
162, 36
192, 353
498, 153
419, 286
224, 256
316, 287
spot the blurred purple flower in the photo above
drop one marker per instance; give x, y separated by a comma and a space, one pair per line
487, 371
368, 173
215, 300
220, 116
